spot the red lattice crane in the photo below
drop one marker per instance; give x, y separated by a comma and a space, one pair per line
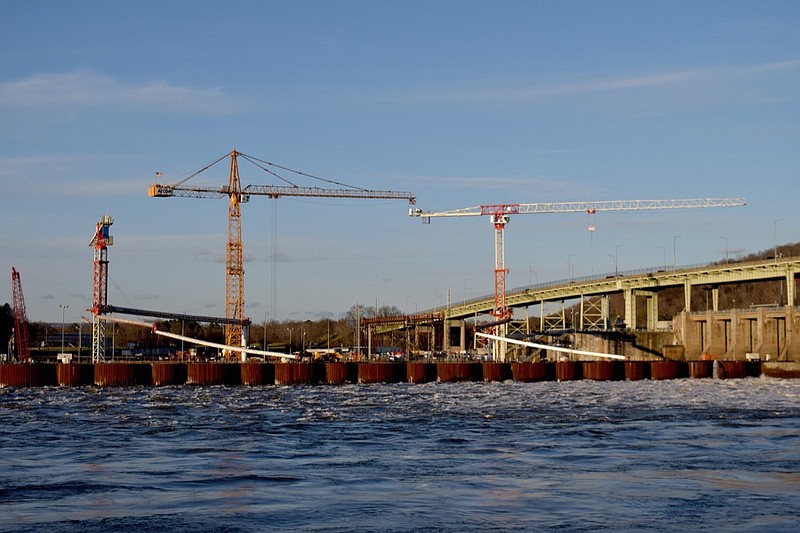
20, 319
234, 265
101, 240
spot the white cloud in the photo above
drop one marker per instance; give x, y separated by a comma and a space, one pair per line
713, 79
508, 185
83, 88
29, 176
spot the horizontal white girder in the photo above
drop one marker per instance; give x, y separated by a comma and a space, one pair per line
548, 347
196, 341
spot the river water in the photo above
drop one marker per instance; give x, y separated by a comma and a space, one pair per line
680, 455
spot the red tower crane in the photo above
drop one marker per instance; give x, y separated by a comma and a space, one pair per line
20, 319
101, 240
500, 215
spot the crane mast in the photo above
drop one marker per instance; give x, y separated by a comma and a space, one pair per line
500, 213
234, 277
20, 319
101, 240
234, 264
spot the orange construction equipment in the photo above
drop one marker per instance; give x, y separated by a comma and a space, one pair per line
234, 269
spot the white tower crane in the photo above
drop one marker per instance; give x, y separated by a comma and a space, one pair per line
500, 213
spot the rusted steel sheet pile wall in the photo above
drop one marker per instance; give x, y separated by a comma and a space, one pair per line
568, 370
257, 374
122, 374
529, 372
213, 374
636, 370
454, 372
340, 372
420, 372
168, 374
666, 370
381, 372
603, 370
701, 369
496, 371
299, 373
731, 369
27, 375
74, 374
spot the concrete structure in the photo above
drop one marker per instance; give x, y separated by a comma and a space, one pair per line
764, 333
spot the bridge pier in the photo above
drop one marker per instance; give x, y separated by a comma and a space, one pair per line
456, 329
652, 311
631, 320
687, 296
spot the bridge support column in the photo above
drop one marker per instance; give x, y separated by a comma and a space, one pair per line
541, 315
460, 325
652, 311
630, 308
714, 298
790, 287
687, 296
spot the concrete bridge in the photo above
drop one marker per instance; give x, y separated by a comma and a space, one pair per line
729, 333
635, 285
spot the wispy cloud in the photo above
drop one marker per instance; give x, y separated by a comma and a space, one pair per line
56, 176
83, 88
713, 78
543, 186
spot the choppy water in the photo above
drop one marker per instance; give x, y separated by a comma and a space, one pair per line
580, 456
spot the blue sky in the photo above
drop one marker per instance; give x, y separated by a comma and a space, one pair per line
461, 103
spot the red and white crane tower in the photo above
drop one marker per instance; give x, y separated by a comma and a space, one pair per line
500, 213
20, 319
101, 240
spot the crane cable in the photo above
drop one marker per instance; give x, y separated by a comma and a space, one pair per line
298, 172
256, 161
195, 173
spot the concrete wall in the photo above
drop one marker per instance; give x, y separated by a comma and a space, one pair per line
731, 335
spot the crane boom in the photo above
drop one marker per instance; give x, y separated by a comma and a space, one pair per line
274, 191
500, 215
580, 207
20, 319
